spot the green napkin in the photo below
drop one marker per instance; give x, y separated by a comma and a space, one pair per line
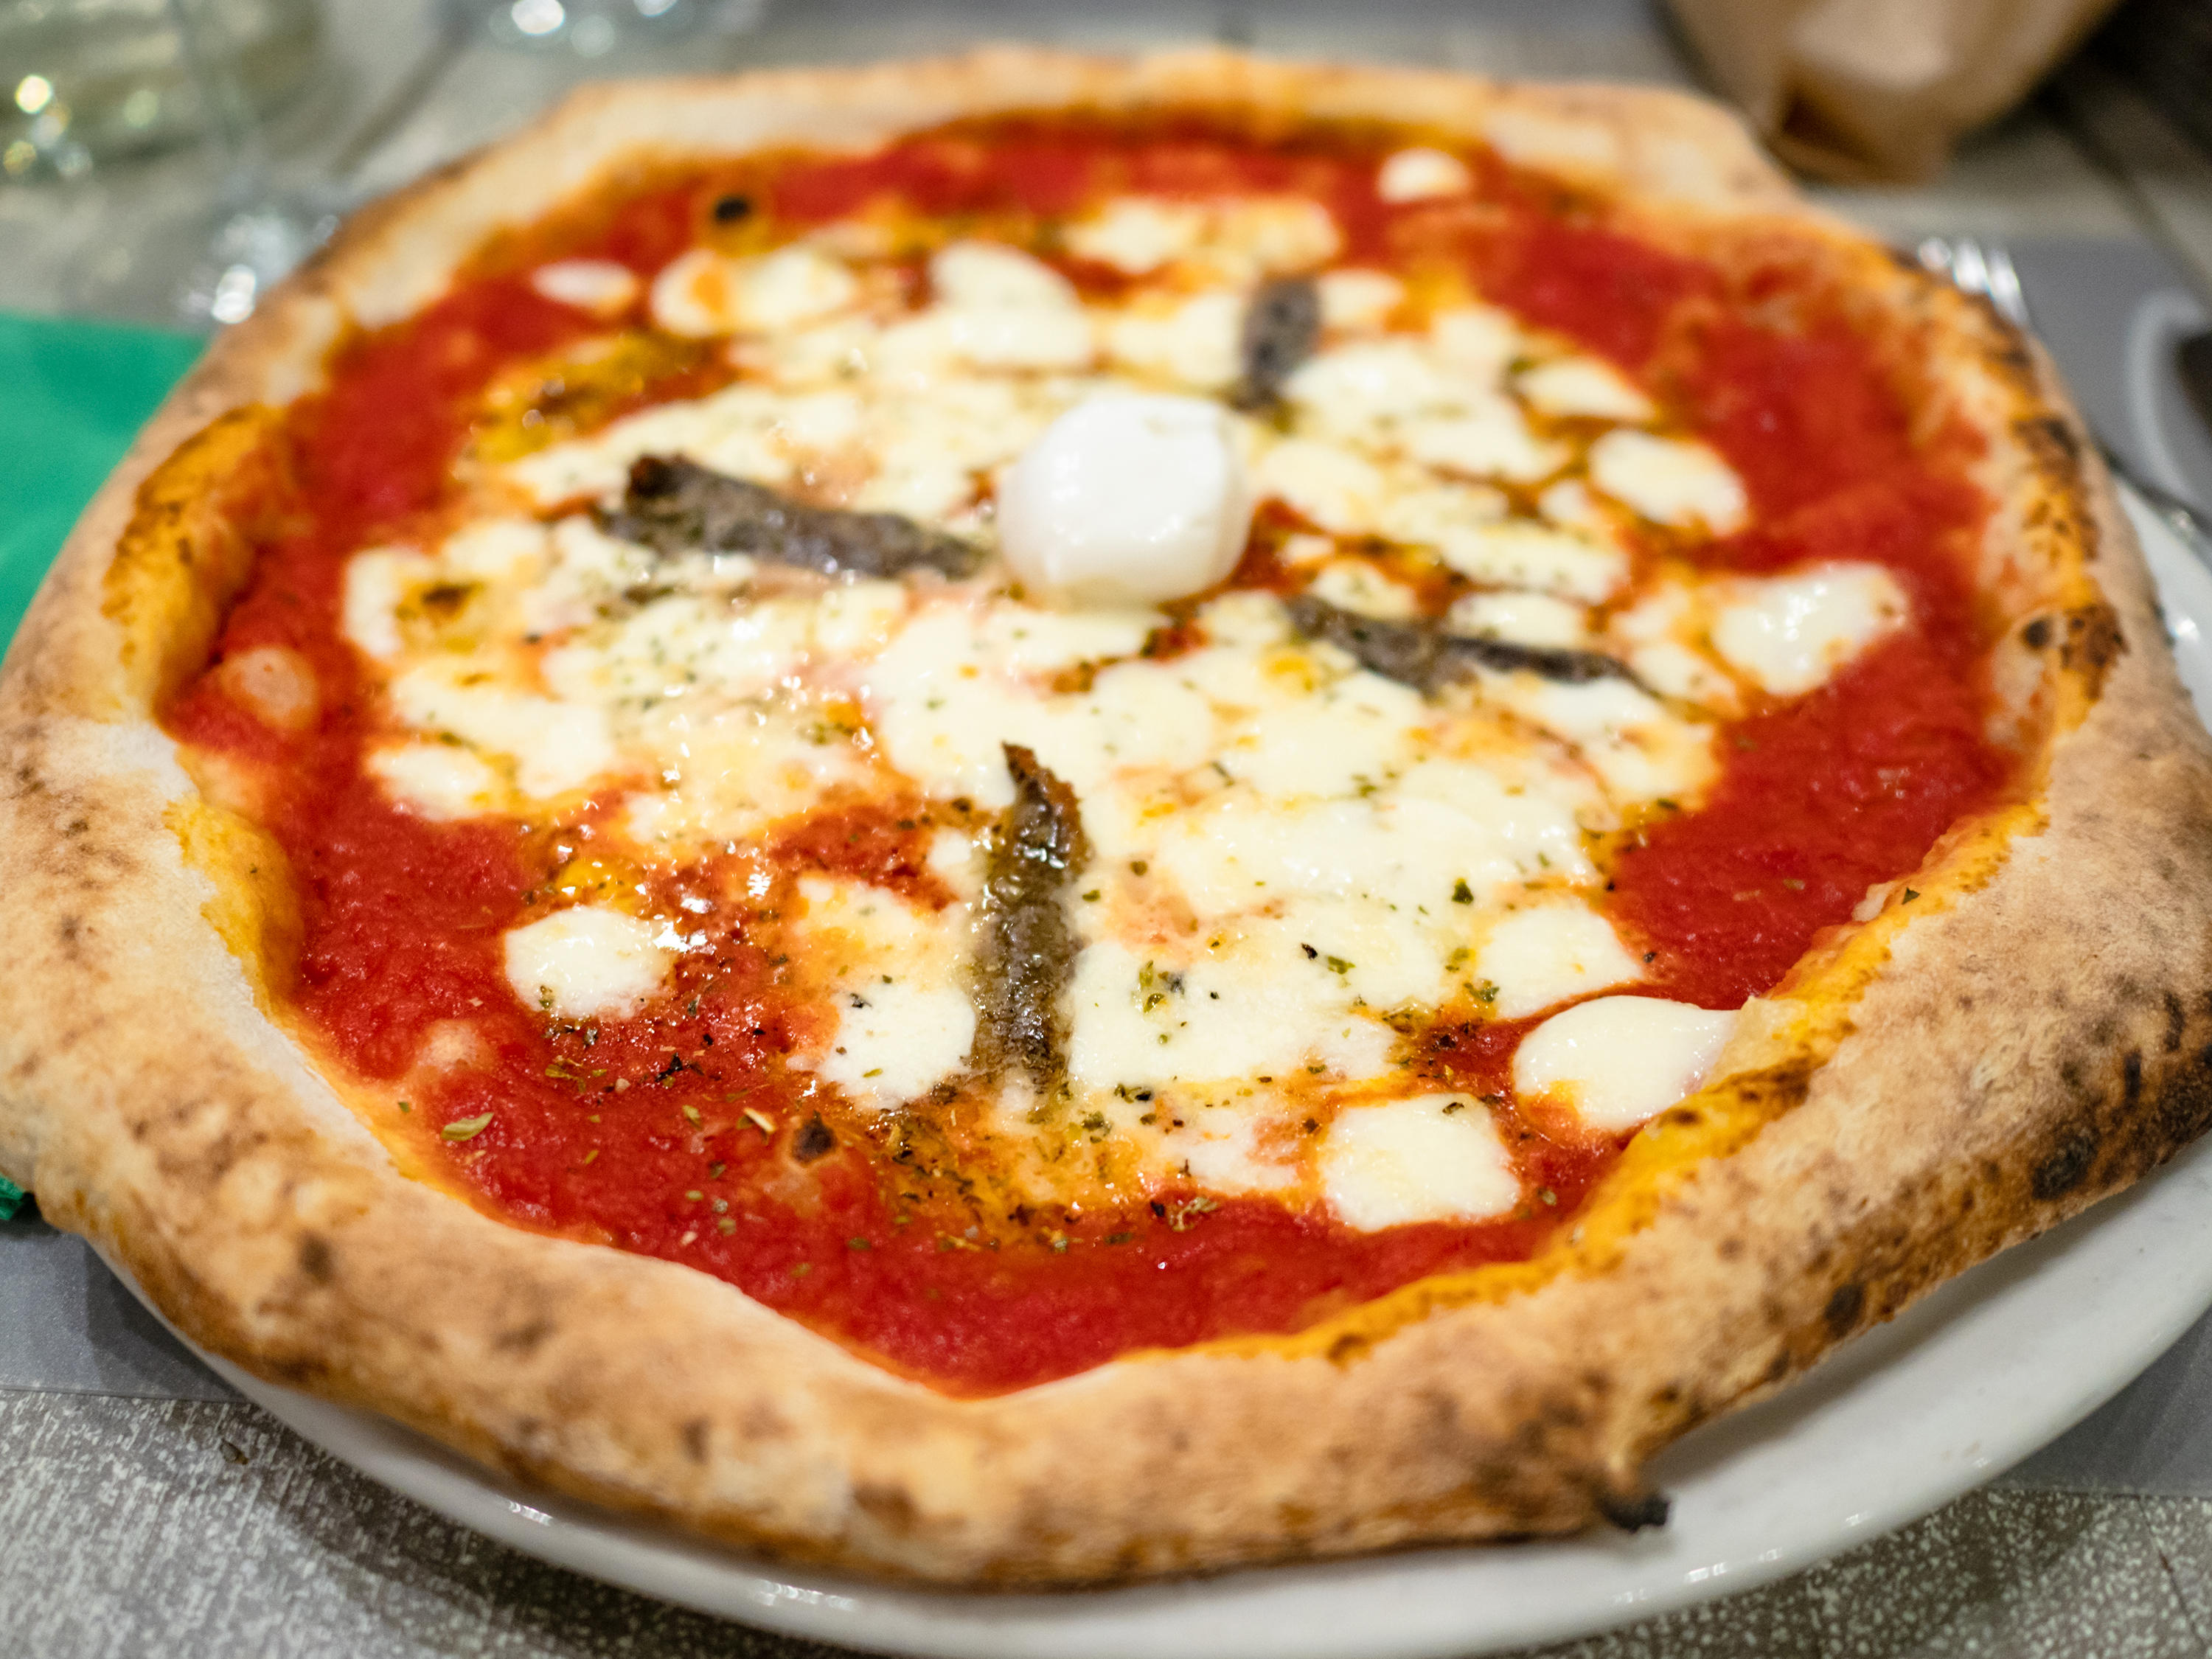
72, 396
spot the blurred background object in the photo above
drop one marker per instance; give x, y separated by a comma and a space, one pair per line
90, 80
593, 28
1862, 90
2165, 47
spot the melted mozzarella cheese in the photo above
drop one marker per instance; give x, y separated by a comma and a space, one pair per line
1676, 670
1191, 342
1670, 481
598, 286
1490, 440
1354, 390
1250, 1006
1433, 1158
1356, 586
1582, 386
953, 689
894, 975
895, 1043
493, 549
990, 274
1335, 488
1357, 299
1619, 1060
1234, 239
586, 963
1549, 953
436, 781
377, 583
1476, 341
1790, 634
1641, 752
727, 773
1524, 618
557, 746
1000, 309
1137, 235
1519, 553
1420, 174
1262, 235
1429, 514
701, 293
1127, 500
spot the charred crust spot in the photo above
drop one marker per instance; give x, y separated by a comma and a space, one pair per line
761, 1422
317, 1261
2177, 1022
2131, 1080
1778, 1088
1346, 1348
1842, 1314
525, 1337
694, 1439
2066, 1167
2037, 634
813, 1141
1632, 1511
2051, 441
2093, 643
891, 1505
445, 600
732, 209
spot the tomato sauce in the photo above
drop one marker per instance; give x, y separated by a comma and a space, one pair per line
681, 1133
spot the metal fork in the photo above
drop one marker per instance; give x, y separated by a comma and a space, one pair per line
1987, 269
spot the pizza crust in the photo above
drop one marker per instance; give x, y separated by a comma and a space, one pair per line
2022, 1029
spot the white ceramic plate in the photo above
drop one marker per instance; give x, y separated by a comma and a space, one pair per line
1895, 1424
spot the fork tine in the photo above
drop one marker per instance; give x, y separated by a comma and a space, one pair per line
1969, 270
2004, 289
1989, 272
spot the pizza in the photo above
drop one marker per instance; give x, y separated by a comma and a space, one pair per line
1031, 819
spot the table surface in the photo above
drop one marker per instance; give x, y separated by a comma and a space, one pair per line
134, 1521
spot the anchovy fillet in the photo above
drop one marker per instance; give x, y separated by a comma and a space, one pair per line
1029, 944
1422, 655
676, 506
1281, 327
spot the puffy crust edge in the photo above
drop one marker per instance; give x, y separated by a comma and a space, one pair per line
2037, 1037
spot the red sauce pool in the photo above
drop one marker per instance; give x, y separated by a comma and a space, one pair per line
692, 1158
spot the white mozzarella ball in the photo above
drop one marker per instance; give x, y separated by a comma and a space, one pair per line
1127, 499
